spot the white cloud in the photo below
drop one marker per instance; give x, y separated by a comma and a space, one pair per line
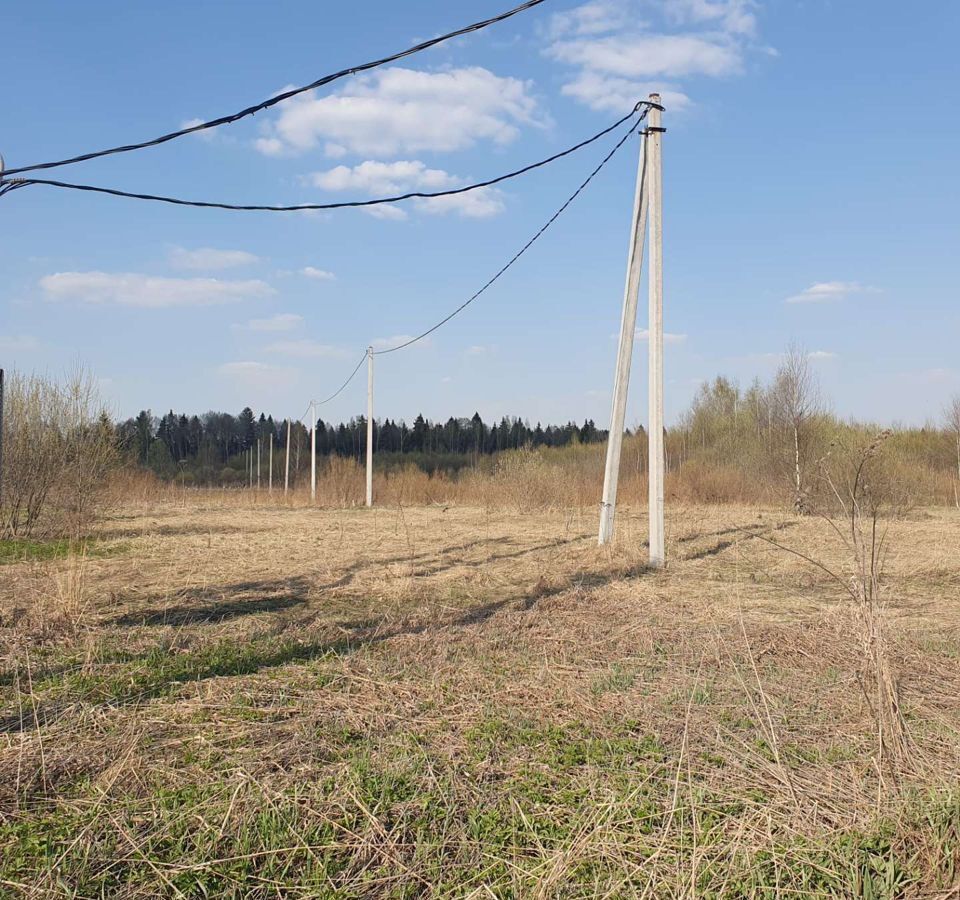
133, 289
18, 343
307, 349
821, 354
605, 92
400, 110
384, 343
270, 146
377, 178
651, 55
827, 291
390, 213
643, 334
373, 178
207, 258
732, 16
257, 374
479, 204
279, 322
620, 57
595, 17
318, 274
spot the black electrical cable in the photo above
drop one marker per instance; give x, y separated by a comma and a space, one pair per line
286, 95
344, 204
523, 249
516, 256
340, 389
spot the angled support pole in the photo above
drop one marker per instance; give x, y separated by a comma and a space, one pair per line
628, 324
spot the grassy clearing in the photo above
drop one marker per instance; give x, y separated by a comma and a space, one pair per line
429, 702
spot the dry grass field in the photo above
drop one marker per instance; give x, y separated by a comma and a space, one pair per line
231, 701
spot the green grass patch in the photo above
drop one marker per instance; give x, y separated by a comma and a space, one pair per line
386, 818
18, 550
165, 668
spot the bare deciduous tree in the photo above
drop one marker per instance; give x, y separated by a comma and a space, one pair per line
33, 450
796, 403
59, 447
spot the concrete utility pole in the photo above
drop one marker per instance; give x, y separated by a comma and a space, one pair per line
286, 469
313, 452
655, 325
628, 324
270, 473
369, 426
259, 441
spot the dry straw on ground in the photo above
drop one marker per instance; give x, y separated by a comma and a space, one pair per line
258, 700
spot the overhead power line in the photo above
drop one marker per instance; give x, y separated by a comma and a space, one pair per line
285, 95
343, 386
525, 247
343, 204
505, 267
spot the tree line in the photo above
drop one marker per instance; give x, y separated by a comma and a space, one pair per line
767, 442
212, 447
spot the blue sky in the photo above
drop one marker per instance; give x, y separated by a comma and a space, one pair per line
810, 180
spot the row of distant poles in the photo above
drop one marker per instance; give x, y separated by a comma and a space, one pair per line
647, 205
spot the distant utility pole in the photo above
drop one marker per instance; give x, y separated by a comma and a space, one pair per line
369, 426
313, 452
250, 467
655, 326
259, 442
628, 325
270, 473
286, 468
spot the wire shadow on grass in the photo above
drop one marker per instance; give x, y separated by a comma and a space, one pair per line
204, 606
156, 672
720, 546
223, 603
495, 557
162, 670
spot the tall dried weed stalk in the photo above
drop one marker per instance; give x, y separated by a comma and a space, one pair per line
862, 491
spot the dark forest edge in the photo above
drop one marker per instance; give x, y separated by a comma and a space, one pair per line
213, 448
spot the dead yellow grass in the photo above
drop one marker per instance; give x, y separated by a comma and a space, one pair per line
581, 726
